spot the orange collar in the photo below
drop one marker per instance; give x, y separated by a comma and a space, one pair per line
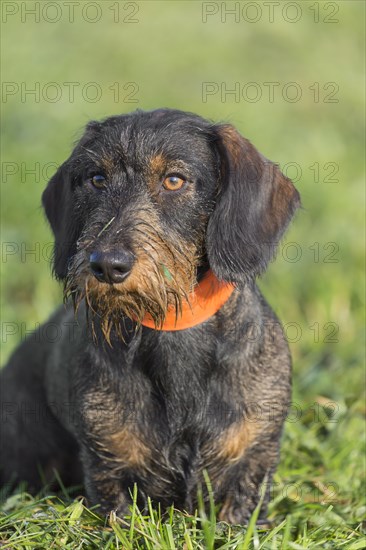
208, 297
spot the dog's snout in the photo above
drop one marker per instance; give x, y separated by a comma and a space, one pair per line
111, 267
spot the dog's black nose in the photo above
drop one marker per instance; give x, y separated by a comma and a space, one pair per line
111, 267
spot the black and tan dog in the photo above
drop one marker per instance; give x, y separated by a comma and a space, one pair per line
175, 363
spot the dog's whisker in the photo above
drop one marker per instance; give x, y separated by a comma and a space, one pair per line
155, 235
173, 250
158, 242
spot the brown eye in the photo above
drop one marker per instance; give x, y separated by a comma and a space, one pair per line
98, 181
173, 183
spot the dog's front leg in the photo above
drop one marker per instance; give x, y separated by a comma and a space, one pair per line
247, 483
106, 485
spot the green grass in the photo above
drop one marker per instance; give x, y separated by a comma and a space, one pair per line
305, 514
318, 496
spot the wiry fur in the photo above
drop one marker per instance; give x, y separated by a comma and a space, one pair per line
151, 287
112, 402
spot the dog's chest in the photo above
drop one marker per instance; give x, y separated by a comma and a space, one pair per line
178, 370
166, 406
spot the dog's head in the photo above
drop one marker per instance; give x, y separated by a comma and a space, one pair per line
149, 199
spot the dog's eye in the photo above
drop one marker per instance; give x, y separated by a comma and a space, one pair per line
97, 181
173, 183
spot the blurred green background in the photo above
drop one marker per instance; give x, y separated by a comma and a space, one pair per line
189, 55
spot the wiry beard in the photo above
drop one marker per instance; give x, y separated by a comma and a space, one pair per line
163, 275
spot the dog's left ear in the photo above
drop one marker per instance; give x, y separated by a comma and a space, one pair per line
59, 206
255, 203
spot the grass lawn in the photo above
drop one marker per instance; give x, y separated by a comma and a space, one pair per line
189, 55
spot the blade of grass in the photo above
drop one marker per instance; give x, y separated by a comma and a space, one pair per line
133, 513
254, 516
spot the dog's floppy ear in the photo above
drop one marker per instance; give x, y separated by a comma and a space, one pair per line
59, 206
62, 208
255, 204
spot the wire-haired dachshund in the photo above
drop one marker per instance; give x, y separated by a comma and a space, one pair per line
167, 361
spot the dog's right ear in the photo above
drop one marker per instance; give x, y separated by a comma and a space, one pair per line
59, 206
